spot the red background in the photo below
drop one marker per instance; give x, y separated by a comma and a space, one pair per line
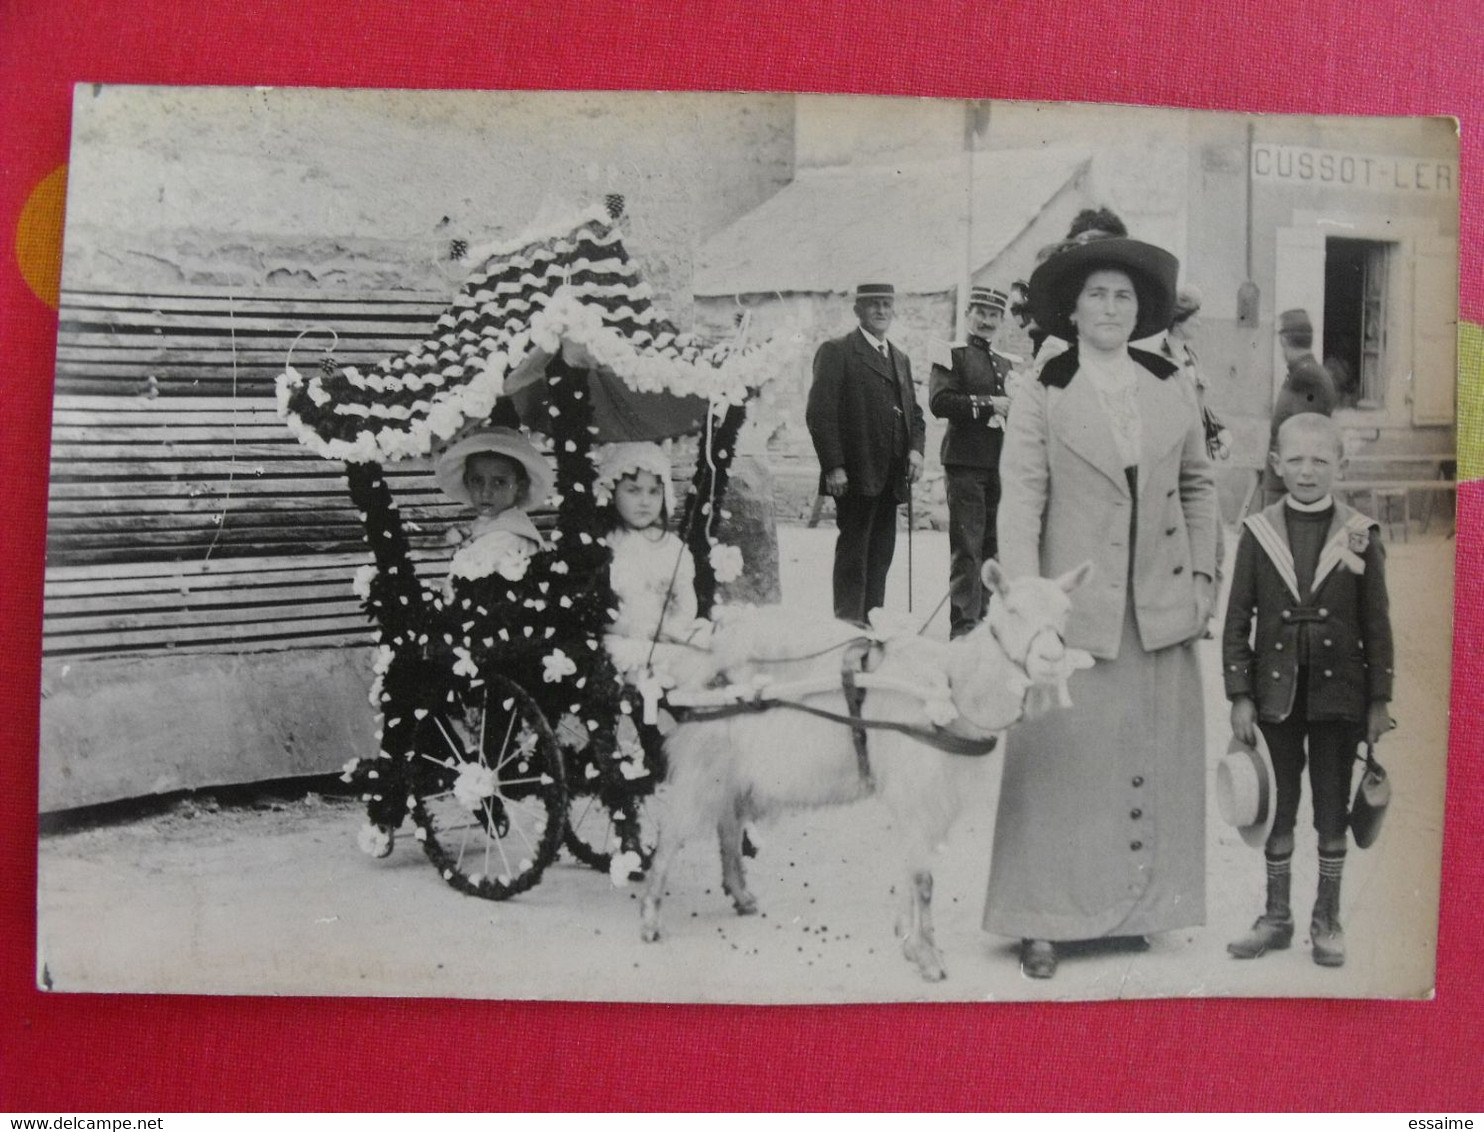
60, 1053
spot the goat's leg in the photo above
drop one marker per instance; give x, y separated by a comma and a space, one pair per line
919, 946
669, 843
733, 878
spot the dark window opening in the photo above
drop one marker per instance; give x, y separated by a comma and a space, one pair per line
1355, 308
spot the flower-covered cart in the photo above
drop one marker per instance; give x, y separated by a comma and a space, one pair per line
503, 730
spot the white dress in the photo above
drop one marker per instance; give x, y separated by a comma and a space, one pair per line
656, 627
501, 544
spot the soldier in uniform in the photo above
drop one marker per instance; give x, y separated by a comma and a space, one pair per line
968, 390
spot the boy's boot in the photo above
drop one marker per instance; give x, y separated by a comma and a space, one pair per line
1325, 931
1273, 930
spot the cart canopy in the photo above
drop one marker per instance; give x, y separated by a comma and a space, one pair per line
572, 291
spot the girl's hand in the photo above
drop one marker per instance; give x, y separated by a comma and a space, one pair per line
1244, 720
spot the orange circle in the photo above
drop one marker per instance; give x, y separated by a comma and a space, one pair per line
38, 236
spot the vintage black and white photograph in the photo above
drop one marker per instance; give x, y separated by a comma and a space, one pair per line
751, 548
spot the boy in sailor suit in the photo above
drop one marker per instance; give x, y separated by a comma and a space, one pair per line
1317, 678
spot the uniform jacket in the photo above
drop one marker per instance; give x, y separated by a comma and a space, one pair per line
1346, 619
854, 403
1065, 499
975, 434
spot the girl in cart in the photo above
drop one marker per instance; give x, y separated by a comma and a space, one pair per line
656, 639
499, 473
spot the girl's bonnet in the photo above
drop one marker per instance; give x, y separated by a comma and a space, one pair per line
499, 441
614, 461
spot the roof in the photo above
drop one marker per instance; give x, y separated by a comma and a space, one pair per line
571, 288
834, 227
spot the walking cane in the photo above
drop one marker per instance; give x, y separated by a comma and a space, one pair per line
910, 524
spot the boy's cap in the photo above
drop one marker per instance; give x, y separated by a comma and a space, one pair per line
506, 442
1247, 790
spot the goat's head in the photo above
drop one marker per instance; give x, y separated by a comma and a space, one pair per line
1028, 617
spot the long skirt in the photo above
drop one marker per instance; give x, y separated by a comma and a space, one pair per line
1102, 812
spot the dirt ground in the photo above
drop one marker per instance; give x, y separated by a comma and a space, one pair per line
272, 896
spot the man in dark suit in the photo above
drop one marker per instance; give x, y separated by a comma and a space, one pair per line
969, 393
868, 434
1308, 388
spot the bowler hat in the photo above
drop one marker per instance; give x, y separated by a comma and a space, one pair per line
1056, 284
1247, 790
874, 291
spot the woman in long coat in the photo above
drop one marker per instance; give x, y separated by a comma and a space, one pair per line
1101, 823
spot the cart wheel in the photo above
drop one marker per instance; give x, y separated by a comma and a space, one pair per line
489, 797
592, 838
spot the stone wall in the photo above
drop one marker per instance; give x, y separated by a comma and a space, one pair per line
366, 190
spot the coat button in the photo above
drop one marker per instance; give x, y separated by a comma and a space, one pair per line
1171, 530
1277, 675
1136, 845
1279, 646
1136, 813
1323, 613
1138, 780
1286, 615
1329, 644
1329, 672
1178, 570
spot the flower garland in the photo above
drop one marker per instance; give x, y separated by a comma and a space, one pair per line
715, 561
574, 292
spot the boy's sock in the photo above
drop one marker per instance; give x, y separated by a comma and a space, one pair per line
1280, 882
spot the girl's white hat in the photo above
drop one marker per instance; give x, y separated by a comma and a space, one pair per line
614, 461
500, 441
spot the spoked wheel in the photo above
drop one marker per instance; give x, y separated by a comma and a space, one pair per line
489, 797
592, 837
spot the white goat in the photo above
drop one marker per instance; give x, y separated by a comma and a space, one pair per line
729, 769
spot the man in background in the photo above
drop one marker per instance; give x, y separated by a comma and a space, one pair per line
967, 389
868, 433
1308, 388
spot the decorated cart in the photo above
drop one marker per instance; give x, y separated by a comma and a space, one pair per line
506, 730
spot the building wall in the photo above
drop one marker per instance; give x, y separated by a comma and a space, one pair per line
1241, 363
364, 190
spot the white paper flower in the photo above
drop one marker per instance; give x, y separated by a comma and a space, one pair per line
557, 666
726, 562
474, 784
361, 584
464, 665
623, 866
374, 840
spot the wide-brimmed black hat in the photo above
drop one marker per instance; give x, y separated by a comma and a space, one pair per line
1056, 284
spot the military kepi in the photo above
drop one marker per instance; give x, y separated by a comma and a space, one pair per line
875, 291
987, 297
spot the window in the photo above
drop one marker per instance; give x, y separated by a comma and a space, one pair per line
1355, 309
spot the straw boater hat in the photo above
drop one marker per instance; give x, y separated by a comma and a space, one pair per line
1056, 284
875, 291
614, 461
505, 442
1246, 790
